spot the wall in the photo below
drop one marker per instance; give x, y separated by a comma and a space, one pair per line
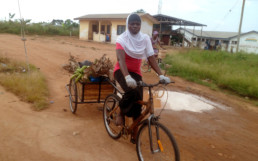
187, 36
248, 43
114, 30
84, 30
147, 26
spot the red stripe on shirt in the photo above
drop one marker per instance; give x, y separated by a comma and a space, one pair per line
133, 65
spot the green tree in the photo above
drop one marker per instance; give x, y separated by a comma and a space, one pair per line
68, 24
11, 16
140, 11
57, 22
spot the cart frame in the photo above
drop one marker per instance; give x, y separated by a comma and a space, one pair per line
75, 98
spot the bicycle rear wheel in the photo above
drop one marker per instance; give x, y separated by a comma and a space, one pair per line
145, 67
111, 102
73, 96
164, 144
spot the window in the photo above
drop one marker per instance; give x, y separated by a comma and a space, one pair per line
225, 41
120, 29
94, 28
233, 42
193, 39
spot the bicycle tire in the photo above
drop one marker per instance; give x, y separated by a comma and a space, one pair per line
110, 103
170, 149
73, 96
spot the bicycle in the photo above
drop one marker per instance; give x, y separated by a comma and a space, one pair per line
154, 140
145, 67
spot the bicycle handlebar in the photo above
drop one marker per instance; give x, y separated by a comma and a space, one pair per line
143, 84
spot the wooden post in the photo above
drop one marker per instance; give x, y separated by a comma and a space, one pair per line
183, 41
184, 33
193, 35
201, 39
99, 31
240, 26
160, 35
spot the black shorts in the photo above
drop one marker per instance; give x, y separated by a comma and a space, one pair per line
128, 103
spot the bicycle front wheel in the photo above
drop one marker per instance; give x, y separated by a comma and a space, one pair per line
164, 147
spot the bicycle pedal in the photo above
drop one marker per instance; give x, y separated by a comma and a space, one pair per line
125, 137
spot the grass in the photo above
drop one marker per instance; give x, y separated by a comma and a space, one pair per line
218, 70
30, 87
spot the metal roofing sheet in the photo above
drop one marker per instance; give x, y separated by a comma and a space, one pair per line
175, 21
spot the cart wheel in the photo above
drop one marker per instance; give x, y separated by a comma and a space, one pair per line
73, 97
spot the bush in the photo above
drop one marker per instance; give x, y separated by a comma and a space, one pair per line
14, 27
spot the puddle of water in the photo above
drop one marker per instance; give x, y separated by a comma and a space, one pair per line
182, 101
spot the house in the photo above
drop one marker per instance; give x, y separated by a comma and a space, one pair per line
166, 25
227, 41
107, 27
248, 42
204, 39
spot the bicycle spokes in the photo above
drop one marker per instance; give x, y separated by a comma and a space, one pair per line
160, 145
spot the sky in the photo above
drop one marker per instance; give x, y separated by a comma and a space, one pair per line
218, 15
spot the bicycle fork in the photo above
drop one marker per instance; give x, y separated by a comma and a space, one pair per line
160, 147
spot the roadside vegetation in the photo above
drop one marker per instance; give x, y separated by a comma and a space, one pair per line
218, 70
29, 86
55, 27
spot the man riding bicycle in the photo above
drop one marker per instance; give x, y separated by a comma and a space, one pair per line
156, 43
131, 47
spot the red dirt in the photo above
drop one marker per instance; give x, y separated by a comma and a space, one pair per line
56, 134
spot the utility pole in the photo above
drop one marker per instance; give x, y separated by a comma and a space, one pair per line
240, 26
160, 7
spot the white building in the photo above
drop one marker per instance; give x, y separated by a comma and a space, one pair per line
248, 42
224, 40
107, 27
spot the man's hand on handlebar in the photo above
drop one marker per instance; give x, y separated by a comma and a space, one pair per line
164, 80
130, 81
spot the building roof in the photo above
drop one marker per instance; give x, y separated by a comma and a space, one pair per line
175, 21
211, 34
121, 16
244, 34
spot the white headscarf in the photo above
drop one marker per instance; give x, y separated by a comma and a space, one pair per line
138, 45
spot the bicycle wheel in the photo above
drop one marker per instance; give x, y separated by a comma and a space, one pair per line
164, 144
73, 96
111, 102
145, 66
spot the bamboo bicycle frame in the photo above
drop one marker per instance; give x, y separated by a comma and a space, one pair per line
149, 109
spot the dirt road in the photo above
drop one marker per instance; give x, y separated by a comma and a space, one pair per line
55, 134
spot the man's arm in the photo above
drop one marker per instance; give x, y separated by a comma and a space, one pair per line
154, 64
121, 60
